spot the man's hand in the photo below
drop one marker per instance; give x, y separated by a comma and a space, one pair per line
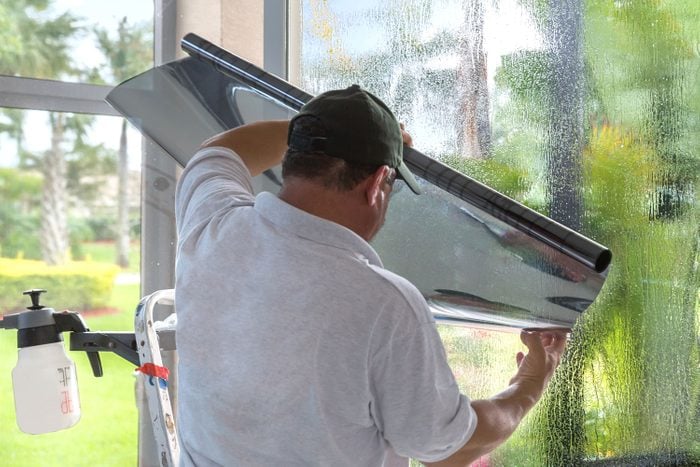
545, 348
407, 140
499, 416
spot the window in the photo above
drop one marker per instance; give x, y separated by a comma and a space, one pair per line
580, 110
67, 207
71, 202
598, 131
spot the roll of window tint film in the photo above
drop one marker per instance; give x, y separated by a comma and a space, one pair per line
480, 258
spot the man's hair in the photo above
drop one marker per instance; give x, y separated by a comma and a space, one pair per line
330, 172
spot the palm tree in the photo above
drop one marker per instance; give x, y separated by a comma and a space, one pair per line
403, 69
38, 47
130, 53
13, 126
564, 35
472, 88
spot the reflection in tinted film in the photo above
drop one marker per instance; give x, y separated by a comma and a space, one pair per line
478, 257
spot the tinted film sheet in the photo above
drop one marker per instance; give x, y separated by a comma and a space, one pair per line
479, 258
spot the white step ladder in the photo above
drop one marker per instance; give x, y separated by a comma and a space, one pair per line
155, 375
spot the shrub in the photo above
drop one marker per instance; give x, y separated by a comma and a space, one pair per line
103, 227
75, 285
79, 232
502, 176
19, 233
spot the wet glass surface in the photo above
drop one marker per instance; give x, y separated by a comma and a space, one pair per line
587, 111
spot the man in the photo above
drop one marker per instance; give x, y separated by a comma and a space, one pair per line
296, 347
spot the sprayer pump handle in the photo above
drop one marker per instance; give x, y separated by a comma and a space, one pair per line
35, 295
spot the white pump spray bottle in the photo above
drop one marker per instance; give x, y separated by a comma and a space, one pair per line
44, 380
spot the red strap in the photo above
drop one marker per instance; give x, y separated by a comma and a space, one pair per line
154, 370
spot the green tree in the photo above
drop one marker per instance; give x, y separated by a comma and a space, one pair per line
130, 53
639, 83
471, 87
38, 46
609, 105
32, 44
12, 124
658, 87
19, 213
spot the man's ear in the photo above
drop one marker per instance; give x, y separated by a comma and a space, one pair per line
375, 184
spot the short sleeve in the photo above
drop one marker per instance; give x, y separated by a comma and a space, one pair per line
214, 179
417, 404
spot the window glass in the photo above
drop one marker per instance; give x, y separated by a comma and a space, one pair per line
585, 111
70, 223
76, 40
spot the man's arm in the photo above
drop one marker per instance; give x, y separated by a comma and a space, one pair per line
261, 145
499, 416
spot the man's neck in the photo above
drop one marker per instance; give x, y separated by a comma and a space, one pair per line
341, 207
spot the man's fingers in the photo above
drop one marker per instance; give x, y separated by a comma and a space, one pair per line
559, 343
532, 340
407, 139
546, 339
549, 337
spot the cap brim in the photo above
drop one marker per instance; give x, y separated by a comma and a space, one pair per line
406, 175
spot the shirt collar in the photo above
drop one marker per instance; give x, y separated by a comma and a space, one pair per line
314, 228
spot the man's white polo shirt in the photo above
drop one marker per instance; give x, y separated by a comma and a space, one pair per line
296, 347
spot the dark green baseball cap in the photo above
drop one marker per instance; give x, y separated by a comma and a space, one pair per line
359, 128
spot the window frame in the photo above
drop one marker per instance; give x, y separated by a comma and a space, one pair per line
158, 173
54, 96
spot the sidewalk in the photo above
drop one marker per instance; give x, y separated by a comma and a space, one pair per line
127, 278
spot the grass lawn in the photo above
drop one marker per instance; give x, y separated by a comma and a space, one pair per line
105, 252
106, 435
